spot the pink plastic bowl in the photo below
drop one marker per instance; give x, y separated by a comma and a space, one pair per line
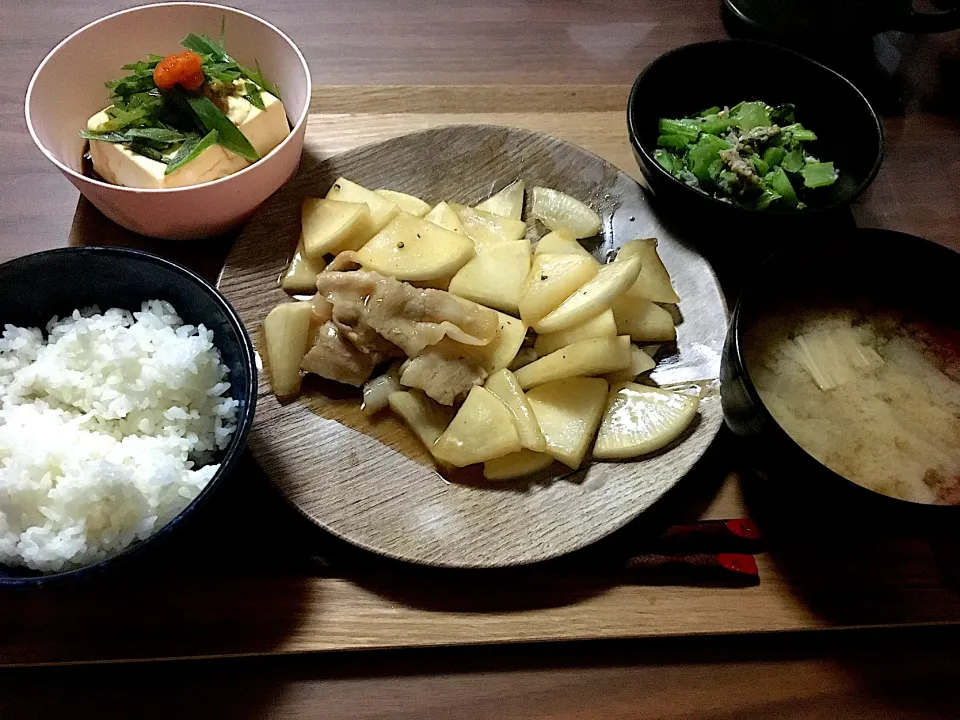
68, 88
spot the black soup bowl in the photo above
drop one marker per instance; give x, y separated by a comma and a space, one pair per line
36, 287
722, 73
880, 267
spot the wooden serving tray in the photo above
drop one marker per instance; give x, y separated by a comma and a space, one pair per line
240, 579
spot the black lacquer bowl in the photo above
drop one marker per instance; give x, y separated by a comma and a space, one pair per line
692, 78
879, 266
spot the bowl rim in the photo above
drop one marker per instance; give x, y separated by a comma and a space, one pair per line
231, 454
80, 177
736, 330
655, 167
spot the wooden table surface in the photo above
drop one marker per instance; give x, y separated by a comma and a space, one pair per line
880, 673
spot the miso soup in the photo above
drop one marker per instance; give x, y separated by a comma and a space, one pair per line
870, 392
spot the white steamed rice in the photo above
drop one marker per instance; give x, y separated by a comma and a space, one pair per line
105, 429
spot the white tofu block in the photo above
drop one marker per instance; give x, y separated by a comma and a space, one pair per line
265, 129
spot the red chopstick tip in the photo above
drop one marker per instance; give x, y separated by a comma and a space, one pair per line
742, 564
745, 528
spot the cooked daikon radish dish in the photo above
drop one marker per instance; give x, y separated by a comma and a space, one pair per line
493, 350
184, 119
870, 393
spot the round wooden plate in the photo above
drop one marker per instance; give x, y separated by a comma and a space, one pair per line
368, 480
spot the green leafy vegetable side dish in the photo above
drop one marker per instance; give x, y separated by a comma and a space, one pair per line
175, 126
752, 154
